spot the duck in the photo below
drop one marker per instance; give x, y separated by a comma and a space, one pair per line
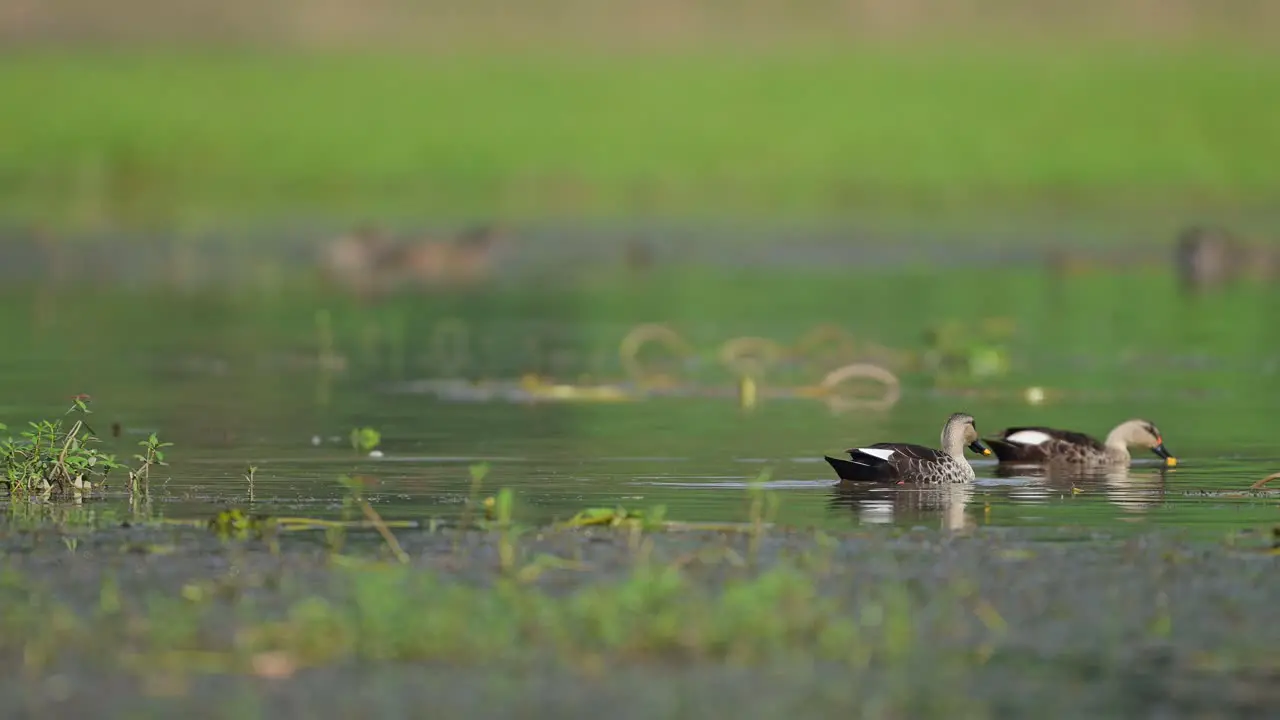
1042, 445
899, 463
355, 261
1207, 257
464, 260
369, 262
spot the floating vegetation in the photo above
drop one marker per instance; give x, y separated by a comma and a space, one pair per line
618, 517
660, 362
539, 388
365, 440
238, 524
957, 352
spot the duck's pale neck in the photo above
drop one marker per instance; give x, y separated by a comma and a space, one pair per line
1118, 440
953, 441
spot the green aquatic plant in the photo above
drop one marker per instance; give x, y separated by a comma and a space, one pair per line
652, 519
54, 458
503, 506
235, 523
152, 455
250, 473
957, 352
372, 611
764, 505
478, 473
365, 440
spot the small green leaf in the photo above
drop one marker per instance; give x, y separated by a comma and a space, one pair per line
365, 439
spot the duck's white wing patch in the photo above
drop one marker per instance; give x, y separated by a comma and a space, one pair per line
881, 453
1029, 437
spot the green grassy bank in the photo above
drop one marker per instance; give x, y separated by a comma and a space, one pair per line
193, 140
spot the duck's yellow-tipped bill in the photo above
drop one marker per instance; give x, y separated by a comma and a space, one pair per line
979, 448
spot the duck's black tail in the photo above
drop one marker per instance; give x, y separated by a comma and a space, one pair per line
1007, 451
851, 471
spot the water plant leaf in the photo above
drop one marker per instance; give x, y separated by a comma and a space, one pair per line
365, 439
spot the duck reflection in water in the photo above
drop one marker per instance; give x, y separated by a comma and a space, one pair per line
945, 505
1132, 488
952, 507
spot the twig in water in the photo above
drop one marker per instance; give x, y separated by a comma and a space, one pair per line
757, 493
478, 473
1259, 485
376, 519
250, 472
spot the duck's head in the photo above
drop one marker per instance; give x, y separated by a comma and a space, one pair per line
966, 427
1143, 433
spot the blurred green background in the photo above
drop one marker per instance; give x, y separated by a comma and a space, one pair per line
143, 115
253, 227
981, 197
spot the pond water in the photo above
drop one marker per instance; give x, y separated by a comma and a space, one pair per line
275, 373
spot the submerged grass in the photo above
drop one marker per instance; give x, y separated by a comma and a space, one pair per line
847, 607
388, 613
369, 610
202, 138
610, 588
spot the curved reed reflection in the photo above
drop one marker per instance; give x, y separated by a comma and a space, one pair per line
824, 347
641, 335
891, 388
750, 356
654, 357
